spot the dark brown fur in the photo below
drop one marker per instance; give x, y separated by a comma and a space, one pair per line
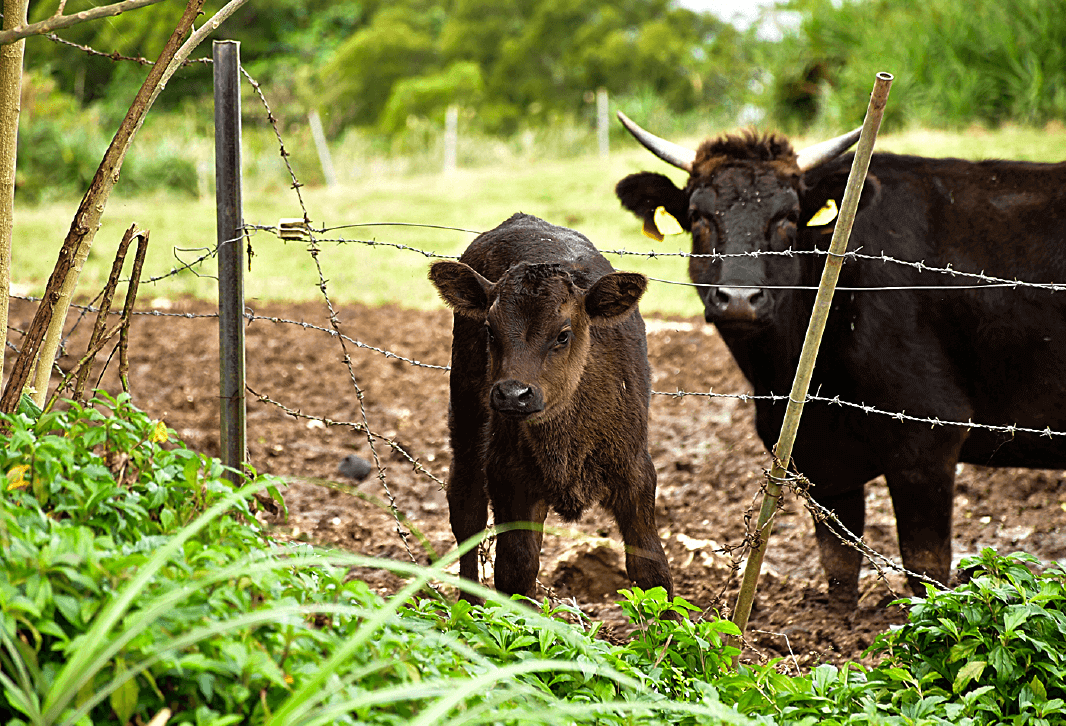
549, 397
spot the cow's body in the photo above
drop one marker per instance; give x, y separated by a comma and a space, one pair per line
992, 356
549, 397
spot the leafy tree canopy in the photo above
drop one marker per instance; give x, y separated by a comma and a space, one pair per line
373, 63
536, 58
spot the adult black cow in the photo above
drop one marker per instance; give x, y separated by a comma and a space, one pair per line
954, 351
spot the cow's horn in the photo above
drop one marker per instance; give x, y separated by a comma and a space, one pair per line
668, 151
814, 156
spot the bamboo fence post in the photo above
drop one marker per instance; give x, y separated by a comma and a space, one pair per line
822, 303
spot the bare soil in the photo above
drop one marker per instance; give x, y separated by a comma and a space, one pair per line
710, 465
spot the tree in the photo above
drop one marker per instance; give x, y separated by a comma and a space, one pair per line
537, 58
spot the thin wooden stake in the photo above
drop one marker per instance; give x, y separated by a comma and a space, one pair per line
801, 383
105, 307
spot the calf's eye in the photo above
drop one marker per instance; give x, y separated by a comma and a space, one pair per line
564, 338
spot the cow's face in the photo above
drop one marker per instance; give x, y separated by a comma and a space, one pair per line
740, 218
537, 329
745, 203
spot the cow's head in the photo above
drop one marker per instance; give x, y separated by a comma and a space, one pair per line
746, 195
537, 323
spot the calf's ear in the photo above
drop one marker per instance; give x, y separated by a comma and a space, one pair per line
613, 297
645, 192
461, 287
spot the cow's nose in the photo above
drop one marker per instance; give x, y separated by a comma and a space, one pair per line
516, 398
737, 303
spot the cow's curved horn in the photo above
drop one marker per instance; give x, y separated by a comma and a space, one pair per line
668, 151
820, 153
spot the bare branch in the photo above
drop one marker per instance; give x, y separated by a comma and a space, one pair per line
58, 22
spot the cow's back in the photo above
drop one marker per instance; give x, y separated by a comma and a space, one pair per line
991, 354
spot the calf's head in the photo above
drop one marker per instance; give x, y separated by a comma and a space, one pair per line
537, 322
747, 198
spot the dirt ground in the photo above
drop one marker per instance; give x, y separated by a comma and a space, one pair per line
709, 463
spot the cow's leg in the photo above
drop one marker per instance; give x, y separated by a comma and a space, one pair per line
634, 510
922, 495
518, 549
841, 562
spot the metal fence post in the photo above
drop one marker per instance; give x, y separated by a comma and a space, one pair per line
230, 221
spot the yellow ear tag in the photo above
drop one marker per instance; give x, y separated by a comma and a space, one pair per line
665, 222
825, 215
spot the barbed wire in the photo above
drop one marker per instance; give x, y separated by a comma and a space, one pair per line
313, 249
866, 408
116, 56
251, 316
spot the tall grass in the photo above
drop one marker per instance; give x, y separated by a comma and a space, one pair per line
955, 63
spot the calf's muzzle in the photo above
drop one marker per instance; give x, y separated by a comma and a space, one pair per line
515, 398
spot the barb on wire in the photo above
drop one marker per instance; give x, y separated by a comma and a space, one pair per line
115, 55
251, 316
273, 229
800, 486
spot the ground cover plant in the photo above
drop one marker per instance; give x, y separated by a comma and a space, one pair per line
137, 580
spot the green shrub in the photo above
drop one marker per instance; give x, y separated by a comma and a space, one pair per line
995, 645
955, 64
135, 578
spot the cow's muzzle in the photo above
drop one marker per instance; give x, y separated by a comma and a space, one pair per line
515, 398
736, 305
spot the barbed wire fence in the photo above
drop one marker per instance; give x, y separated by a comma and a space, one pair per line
317, 237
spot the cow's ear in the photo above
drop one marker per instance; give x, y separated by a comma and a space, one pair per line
826, 192
645, 192
613, 297
461, 287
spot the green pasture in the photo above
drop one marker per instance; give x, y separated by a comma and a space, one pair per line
377, 193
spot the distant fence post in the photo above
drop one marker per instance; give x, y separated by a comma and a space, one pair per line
230, 222
451, 139
602, 123
322, 147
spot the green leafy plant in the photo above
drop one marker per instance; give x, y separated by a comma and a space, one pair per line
994, 644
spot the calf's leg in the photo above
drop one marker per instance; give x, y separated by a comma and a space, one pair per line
518, 550
634, 510
468, 508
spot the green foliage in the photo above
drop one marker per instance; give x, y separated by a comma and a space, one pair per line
985, 62
135, 578
60, 146
994, 645
538, 61
277, 39
428, 96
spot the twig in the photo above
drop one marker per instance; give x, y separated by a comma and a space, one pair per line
58, 22
105, 306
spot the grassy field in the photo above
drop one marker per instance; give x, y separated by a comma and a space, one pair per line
576, 192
